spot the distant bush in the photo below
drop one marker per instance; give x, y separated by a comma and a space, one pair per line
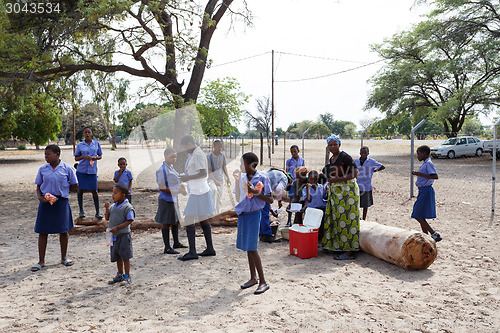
113, 148
21, 146
2, 147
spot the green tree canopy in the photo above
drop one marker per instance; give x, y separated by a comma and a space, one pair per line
436, 68
220, 106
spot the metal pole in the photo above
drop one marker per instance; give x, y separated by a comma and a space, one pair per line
272, 102
303, 134
284, 151
362, 134
494, 172
242, 146
413, 154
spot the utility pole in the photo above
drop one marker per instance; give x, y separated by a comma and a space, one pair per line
272, 101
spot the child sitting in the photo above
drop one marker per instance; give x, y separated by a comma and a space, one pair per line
314, 196
298, 185
120, 215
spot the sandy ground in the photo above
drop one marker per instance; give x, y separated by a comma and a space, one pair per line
459, 292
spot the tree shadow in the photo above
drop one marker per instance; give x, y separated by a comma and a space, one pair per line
11, 161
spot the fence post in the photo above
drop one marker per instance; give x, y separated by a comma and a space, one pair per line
261, 148
284, 151
303, 134
242, 146
413, 154
494, 172
363, 133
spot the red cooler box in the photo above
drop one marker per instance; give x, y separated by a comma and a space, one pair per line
304, 238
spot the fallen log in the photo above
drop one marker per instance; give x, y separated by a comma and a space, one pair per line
228, 218
408, 249
87, 221
105, 185
100, 227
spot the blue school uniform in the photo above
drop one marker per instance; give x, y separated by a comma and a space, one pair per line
291, 165
168, 207
249, 213
56, 218
276, 177
125, 178
425, 206
365, 173
87, 174
317, 195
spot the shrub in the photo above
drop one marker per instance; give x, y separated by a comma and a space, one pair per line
21, 146
2, 147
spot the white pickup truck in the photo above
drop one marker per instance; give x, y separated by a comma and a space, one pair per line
488, 147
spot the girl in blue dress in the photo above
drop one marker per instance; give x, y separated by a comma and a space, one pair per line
56, 178
87, 153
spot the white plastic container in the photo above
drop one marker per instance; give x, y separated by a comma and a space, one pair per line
295, 207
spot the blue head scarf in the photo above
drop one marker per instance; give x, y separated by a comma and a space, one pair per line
333, 137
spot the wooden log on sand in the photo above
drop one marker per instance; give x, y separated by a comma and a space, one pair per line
228, 218
95, 225
408, 249
105, 185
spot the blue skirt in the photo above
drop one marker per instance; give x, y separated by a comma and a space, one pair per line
425, 206
54, 219
86, 181
200, 205
247, 237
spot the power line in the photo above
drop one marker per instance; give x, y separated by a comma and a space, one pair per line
323, 58
238, 60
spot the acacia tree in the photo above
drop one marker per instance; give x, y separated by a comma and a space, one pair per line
262, 120
451, 73
153, 39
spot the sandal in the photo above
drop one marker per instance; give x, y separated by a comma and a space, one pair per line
344, 257
67, 262
36, 267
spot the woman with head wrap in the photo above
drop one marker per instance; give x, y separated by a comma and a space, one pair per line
342, 209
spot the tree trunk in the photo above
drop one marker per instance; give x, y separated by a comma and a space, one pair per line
408, 249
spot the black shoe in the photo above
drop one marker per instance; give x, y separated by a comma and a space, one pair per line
82, 214
180, 246
188, 256
98, 216
261, 289
248, 284
207, 253
170, 251
270, 239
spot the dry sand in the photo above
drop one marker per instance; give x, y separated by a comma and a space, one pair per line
459, 292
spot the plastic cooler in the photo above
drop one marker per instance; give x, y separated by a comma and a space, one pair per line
304, 237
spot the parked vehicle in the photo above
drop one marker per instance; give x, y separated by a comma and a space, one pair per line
488, 147
460, 146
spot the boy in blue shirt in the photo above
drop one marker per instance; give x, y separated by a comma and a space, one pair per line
120, 215
425, 206
124, 176
366, 167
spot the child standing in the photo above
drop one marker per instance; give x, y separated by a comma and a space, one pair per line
120, 215
55, 178
297, 186
291, 164
216, 171
124, 176
251, 202
425, 206
366, 167
314, 195
167, 214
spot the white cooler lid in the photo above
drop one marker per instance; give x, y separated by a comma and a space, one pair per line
313, 217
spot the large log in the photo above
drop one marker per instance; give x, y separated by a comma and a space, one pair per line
228, 218
105, 185
408, 249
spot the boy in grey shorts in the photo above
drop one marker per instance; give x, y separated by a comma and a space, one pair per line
120, 215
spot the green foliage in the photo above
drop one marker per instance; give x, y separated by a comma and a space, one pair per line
350, 130
113, 148
444, 68
2, 147
318, 130
279, 132
21, 146
472, 126
220, 105
88, 115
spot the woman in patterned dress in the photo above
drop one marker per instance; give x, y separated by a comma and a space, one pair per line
342, 208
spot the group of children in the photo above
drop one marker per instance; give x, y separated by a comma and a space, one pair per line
253, 190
